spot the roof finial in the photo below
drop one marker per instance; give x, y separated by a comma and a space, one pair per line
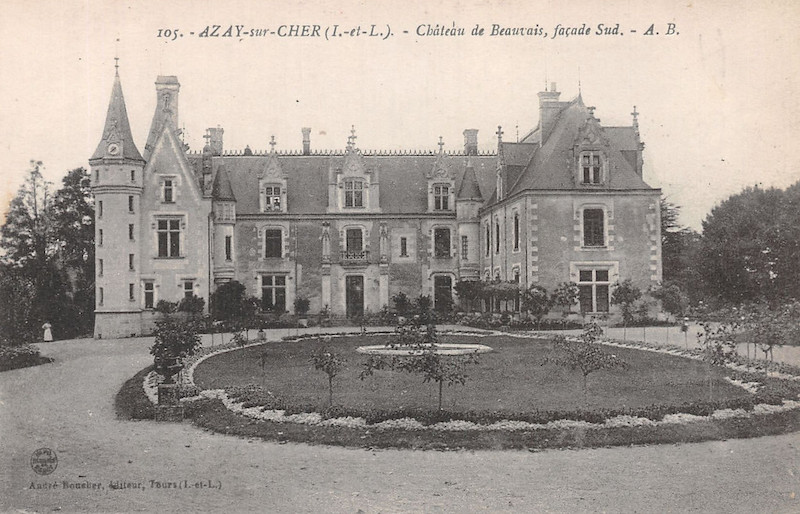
635, 115
351, 139
579, 80
272, 143
499, 134
517, 132
441, 144
116, 58
591, 111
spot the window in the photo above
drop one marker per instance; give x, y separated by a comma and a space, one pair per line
272, 198
464, 247
100, 209
593, 286
353, 193
591, 168
188, 289
273, 243
169, 238
497, 236
130, 232
130, 204
100, 296
99, 267
273, 293
97, 175
441, 243
403, 247
149, 295
131, 292
131, 258
100, 237
228, 247
354, 240
516, 231
168, 191
488, 240
593, 227
133, 175
516, 281
441, 197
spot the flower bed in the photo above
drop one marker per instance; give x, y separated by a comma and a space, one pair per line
20, 356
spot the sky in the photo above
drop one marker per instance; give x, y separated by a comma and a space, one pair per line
717, 97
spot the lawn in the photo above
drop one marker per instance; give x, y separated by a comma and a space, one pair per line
509, 379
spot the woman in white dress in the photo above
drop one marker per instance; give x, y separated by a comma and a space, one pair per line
48, 333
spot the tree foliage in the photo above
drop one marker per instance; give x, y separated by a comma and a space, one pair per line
174, 341
625, 295
565, 296
536, 301
331, 363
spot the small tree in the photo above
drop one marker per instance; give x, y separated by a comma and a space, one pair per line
191, 304
469, 291
536, 302
331, 363
401, 304
229, 302
565, 296
673, 300
625, 295
584, 355
301, 306
174, 341
718, 343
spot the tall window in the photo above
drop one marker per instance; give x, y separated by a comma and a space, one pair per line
273, 293
130, 204
100, 296
403, 247
496, 236
441, 197
131, 292
516, 231
168, 191
99, 267
130, 231
593, 227
100, 237
149, 295
131, 258
97, 175
273, 243
272, 198
464, 247
593, 285
169, 238
228, 248
354, 240
100, 209
133, 175
441, 243
353, 193
488, 240
591, 168
188, 289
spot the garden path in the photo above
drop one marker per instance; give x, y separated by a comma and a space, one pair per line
68, 406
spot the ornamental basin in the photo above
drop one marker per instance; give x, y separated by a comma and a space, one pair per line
441, 349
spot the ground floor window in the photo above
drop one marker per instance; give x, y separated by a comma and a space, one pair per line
593, 285
149, 295
442, 293
273, 293
188, 289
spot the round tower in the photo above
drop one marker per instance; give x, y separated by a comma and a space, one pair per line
116, 168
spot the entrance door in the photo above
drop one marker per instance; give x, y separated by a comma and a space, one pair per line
354, 295
442, 293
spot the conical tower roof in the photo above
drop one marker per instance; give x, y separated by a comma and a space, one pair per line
222, 186
469, 189
117, 129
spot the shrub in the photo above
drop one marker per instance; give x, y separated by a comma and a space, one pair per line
565, 296
20, 356
191, 304
174, 341
625, 295
301, 306
166, 307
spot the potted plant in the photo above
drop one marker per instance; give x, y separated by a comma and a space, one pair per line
301, 306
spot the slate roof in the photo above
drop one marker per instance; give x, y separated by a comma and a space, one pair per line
117, 126
469, 188
403, 179
222, 189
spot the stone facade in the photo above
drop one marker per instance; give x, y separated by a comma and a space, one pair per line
350, 229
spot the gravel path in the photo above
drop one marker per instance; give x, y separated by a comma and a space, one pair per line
68, 407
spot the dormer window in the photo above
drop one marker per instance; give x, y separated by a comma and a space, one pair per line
354, 193
441, 197
169, 191
272, 198
591, 168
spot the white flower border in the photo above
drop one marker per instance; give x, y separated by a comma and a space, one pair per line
152, 379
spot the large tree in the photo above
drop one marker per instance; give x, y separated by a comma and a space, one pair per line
749, 249
679, 245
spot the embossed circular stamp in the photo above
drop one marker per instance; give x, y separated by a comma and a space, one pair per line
44, 461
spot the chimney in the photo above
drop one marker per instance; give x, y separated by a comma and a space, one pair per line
306, 140
216, 139
471, 142
548, 111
